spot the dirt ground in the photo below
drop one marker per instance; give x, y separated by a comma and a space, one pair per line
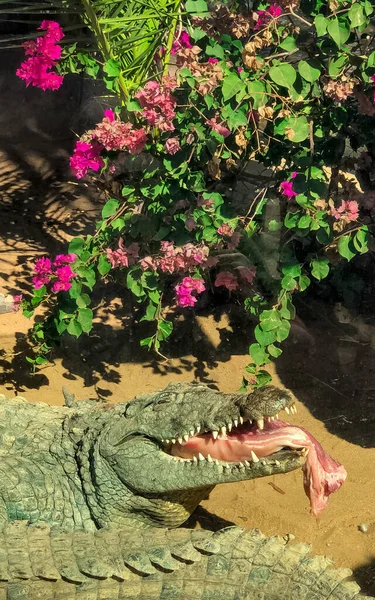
330, 369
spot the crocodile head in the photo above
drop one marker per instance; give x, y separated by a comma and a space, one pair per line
171, 447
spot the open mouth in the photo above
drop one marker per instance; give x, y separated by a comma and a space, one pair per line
241, 443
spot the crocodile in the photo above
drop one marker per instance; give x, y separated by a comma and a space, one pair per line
92, 497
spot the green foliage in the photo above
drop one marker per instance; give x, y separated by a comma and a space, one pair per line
256, 101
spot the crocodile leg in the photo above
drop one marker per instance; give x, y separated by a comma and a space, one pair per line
157, 564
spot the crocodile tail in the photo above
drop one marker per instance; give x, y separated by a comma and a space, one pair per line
157, 564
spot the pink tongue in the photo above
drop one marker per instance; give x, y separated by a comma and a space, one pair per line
322, 474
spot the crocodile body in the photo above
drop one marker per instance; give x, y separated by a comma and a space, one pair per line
89, 495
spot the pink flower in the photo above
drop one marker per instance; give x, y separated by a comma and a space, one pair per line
213, 61
64, 276
184, 291
224, 131
172, 145
287, 189
158, 104
348, 211
16, 302
265, 16
226, 279
40, 280
44, 53
114, 134
178, 259
86, 156
123, 256
225, 230
239, 70
63, 259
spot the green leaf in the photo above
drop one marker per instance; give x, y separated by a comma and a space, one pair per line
165, 329
270, 323
343, 247
360, 240
303, 283
231, 86
133, 282
283, 74
274, 225
304, 222
146, 342
335, 66
41, 360
103, 265
110, 208
264, 337
283, 331
127, 190
83, 300
357, 15
338, 31
288, 283
74, 328
258, 354
274, 351
289, 44
197, 7
262, 378
112, 68
76, 246
320, 268
257, 92
300, 127
84, 318
321, 23
309, 70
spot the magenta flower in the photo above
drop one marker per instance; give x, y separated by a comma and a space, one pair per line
64, 259
43, 272
213, 61
184, 291
109, 114
265, 16
64, 279
226, 279
287, 189
44, 53
183, 41
172, 145
86, 156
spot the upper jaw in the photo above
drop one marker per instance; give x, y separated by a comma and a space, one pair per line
220, 431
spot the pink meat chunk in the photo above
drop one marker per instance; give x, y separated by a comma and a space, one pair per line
322, 474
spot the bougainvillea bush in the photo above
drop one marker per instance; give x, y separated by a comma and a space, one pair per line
285, 85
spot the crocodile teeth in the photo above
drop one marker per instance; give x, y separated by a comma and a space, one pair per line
217, 462
201, 457
247, 463
195, 459
162, 440
192, 433
287, 410
186, 437
260, 423
198, 428
277, 463
209, 458
236, 422
293, 409
276, 415
305, 451
254, 457
241, 420
226, 466
173, 441
215, 434
166, 441
229, 427
241, 465
223, 430
180, 440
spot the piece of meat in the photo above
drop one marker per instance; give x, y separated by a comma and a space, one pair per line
322, 474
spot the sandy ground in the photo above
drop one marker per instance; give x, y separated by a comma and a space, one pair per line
331, 373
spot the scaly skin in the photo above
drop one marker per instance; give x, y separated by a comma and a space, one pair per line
87, 466
99, 486
160, 564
